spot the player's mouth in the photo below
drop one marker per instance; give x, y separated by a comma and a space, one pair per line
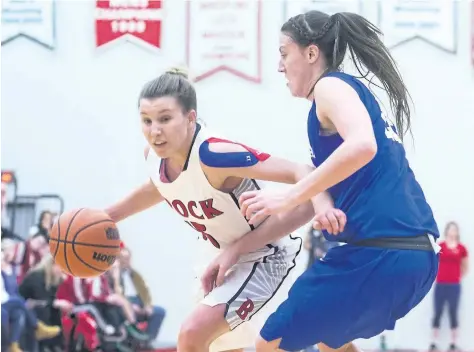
159, 144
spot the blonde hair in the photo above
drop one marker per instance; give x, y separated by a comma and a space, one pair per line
178, 70
172, 83
46, 264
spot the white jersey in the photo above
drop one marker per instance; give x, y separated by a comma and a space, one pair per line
258, 278
211, 212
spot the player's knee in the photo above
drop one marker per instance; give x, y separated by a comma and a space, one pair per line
262, 345
191, 337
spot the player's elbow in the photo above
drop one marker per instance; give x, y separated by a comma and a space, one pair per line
365, 149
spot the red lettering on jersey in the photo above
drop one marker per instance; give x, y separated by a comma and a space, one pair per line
180, 207
202, 229
191, 206
259, 155
245, 308
185, 210
192, 209
208, 209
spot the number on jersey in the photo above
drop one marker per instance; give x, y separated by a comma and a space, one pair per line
202, 229
390, 130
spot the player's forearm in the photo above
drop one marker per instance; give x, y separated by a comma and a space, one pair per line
275, 227
345, 161
322, 202
139, 200
301, 171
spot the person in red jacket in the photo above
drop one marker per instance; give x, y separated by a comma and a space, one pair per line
95, 297
452, 267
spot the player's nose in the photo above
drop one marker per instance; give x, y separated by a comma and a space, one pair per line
280, 67
156, 130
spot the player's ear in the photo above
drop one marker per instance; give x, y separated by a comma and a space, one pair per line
312, 53
192, 116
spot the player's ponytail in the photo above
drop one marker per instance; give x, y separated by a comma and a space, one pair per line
335, 34
361, 37
173, 82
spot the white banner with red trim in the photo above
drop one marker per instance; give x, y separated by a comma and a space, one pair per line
224, 36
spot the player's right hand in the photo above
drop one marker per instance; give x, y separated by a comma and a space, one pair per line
333, 221
214, 275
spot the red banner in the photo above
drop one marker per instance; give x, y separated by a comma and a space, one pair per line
138, 21
224, 36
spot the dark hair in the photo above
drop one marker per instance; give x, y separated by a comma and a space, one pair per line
172, 83
43, 214
334, 34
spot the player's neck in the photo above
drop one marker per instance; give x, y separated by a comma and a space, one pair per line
177, 161
317, 73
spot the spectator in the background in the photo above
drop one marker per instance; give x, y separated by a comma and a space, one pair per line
135, 289
6, 233
16, 307
39, 288
44, 225
453, 266
29, 253
316, 245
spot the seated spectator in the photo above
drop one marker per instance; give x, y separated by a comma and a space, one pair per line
28, 254
39, 288
103, 296
12, 322
17, 315
44, 225
135, 289
453, 266
94, 296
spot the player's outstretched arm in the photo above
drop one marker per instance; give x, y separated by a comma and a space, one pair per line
225, 159
144, 197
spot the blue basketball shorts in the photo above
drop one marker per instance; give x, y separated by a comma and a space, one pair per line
354, 292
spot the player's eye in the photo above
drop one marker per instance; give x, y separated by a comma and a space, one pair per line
147, 121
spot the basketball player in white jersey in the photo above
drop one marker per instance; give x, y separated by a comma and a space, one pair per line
201, 176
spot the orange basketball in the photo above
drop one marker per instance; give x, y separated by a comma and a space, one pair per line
84, 242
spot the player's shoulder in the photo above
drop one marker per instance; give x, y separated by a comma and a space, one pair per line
220, 145
221, 152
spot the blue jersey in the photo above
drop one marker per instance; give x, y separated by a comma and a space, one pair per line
382, 199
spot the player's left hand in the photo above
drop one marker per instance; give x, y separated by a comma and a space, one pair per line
257, 205
332, 220
214, 275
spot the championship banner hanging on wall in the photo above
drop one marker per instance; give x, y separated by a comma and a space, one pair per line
433, 21
292, 8
135, 21
224, 36
33, 19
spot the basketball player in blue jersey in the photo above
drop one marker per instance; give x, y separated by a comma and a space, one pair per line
201, 176
389, 261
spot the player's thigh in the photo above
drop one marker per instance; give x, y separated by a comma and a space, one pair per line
204, 325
